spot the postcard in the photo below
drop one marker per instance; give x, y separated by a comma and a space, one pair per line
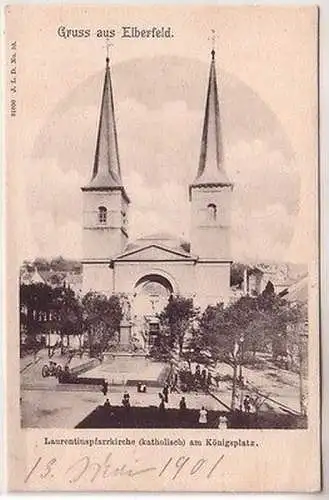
162, 273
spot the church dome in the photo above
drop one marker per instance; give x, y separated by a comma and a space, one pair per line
164, 239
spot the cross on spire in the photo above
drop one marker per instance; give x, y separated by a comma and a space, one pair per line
108, 44
213, 42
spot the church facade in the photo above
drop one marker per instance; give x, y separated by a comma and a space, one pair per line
147, 271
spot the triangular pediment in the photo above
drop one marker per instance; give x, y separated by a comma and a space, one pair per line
154, 253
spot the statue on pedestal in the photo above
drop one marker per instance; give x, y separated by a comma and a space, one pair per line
126, 309
125, 325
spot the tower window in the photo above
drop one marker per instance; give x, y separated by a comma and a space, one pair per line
212, 211
102, 215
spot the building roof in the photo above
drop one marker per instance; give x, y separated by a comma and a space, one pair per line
106, 171
31, 277
298, 292
211, 170
166, 239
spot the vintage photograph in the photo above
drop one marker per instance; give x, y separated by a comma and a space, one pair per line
162, 248
163, 281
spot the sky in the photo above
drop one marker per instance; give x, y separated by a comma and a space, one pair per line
268, 116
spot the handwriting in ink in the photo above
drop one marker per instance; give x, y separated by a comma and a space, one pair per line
44, 471
91, 470
85, 466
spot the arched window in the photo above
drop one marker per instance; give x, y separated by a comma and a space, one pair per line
102, 215
212, 211
124, 219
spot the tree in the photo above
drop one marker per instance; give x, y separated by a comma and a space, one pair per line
176, 320
41, 264
68, 312
35, 301
58, 264
35, 311
101, 316
211, 334
45, 309
258, 323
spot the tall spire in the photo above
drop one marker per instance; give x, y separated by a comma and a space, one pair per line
106, 171
211, 170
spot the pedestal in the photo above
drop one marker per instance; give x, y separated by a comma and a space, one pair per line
125, 333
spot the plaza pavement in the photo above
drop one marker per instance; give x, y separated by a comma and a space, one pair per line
278, 384
44, 403
53, 409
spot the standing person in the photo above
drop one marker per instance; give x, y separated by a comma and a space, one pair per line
105, 387
246, 404
203, 417
182, 414
222, 422
126, 415
165, 393
126, 400
182, 404
162, 403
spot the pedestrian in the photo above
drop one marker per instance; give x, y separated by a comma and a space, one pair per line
126, 400
246, 404
165, 392
222, 422
182, 413
126, 403
162, 403
105, 387
182, 404
203, 417
107, 403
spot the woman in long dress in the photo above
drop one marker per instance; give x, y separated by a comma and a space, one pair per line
203, 417
222, 422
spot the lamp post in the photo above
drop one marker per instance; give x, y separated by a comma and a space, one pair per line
237, 357
241, 341
241, 385
235, 367
235, 370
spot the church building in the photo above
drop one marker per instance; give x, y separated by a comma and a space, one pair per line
153, 267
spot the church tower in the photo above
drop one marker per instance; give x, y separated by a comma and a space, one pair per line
210, 197
105, 202
210, 193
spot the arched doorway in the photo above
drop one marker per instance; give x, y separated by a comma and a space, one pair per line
151, 295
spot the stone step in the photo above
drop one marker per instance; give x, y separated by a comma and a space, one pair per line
78, 388
84, 366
